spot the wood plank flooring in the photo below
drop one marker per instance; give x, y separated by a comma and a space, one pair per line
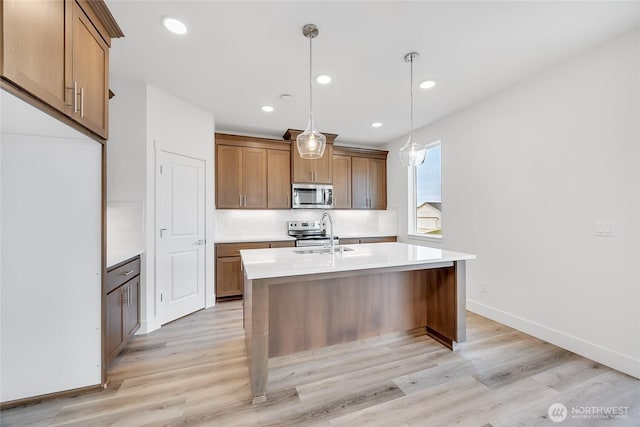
194, 372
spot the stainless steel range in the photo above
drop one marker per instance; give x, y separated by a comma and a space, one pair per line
310, 233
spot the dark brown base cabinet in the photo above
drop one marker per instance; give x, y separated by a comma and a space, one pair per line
229, 280
122, 288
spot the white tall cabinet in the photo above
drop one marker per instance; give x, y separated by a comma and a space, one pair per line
50, 254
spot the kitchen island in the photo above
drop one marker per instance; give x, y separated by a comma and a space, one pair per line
299, 299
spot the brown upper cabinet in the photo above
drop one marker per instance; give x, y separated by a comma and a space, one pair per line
278, 179
88, 82
33, 48
341, 181
368, 185
57, 52
242, 177
316, 171
256, 173
252, 173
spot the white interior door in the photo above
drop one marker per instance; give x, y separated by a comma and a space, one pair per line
180, 238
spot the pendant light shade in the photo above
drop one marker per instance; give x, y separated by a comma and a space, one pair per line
311, 143
413, 153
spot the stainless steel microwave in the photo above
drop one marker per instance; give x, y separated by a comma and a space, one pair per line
311, 196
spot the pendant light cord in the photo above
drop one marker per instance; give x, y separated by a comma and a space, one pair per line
411, 98
310, 77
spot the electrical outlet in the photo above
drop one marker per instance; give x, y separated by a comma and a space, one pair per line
484, 287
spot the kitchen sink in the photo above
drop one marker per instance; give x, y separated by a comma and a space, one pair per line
323, 250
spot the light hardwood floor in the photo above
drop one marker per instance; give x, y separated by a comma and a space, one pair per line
194, 372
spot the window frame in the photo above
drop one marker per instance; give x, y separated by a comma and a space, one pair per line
412, 222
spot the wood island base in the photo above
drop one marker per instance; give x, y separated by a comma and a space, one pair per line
286, 315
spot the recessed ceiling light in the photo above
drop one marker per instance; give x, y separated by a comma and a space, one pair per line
427, 84
173, 25
267, 108
376, 124
323, 79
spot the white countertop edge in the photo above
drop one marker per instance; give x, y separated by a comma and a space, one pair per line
355, 268
285, 238
364, 235
249, 239
117, 257
449, 256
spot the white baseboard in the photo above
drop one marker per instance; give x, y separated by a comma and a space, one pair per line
147, 326
210, 301
610, 358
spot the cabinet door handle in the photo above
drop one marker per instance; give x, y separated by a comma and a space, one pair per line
126, 273
240, 195
75, 97
81, 102
245, 200
161, 231
129, 296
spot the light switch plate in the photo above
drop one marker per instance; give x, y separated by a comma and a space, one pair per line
605, 228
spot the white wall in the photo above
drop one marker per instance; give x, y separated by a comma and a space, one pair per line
176, 126
126, 149
143, 120
526, 174
50, 264
127, 180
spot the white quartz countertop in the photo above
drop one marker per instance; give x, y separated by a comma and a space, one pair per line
282, 262
245, 239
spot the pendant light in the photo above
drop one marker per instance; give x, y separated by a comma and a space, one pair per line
413, 153
311, 143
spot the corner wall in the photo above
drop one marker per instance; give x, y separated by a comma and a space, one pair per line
526, 175
143, 120
176, 126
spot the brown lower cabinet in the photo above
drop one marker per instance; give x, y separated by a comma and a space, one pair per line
358, 240
122, 288
229, 278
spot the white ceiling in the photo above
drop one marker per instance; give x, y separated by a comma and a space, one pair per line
239, 55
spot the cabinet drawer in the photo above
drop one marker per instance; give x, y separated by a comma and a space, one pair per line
349, 241
233, 249
121, 274
378, 239
284, 244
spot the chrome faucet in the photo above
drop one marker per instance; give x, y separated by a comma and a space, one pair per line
332, 247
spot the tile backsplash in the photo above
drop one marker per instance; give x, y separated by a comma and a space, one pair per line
125, 230
266, 223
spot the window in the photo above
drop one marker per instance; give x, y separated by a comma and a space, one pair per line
428, 193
